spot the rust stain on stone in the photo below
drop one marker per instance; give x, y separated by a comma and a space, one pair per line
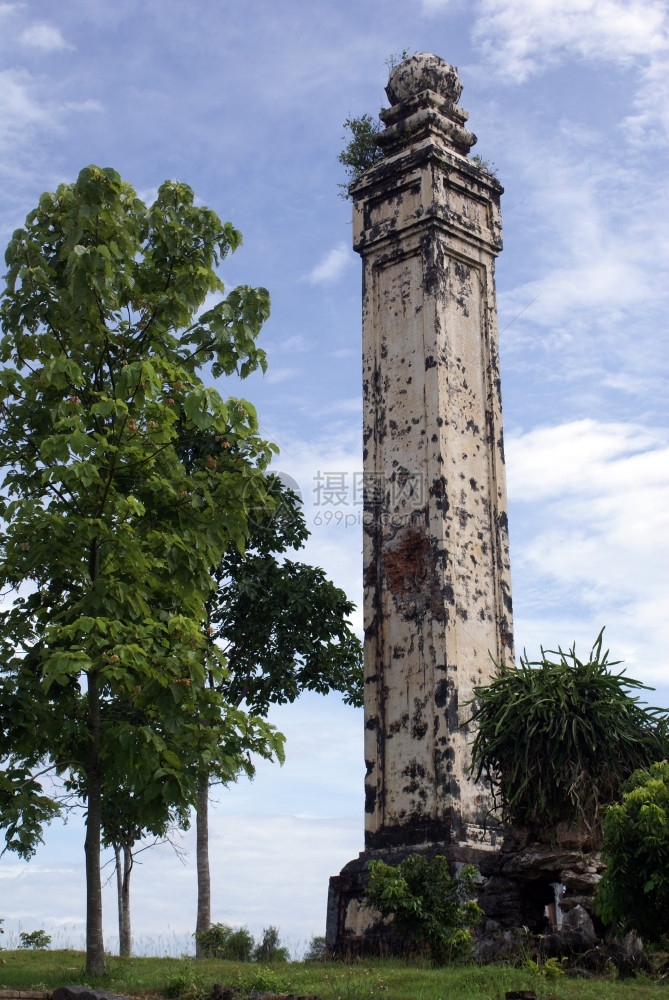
410, 569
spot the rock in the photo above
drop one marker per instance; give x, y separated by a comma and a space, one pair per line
220, 992
83, 993
578, 919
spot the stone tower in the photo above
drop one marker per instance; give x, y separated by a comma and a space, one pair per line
437, 594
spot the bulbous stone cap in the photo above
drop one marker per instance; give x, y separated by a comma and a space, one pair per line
423, 71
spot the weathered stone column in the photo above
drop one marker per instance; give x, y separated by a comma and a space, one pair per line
437, 599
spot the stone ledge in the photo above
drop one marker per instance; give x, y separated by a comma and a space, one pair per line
25, 995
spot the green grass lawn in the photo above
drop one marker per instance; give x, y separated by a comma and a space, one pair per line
383, 979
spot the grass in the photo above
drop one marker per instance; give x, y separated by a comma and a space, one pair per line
382, 979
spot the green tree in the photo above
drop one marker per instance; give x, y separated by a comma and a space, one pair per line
361, 150
282, 628
269, 948
427, 903
225, 942
557, 737
634, 889
107, 540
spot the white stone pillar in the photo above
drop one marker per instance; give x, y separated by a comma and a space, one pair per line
437, 602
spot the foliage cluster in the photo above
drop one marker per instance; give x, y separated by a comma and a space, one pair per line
634, 890
427, 903
317, 950
557, 737
34, 939
130, 491
107, 539
361, 150
237, 944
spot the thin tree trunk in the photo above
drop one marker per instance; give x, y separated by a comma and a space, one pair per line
95, 949
203, 922
125, 937
118, 864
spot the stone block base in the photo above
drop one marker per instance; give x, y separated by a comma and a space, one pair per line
518, 879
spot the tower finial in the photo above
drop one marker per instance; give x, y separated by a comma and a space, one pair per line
423, 71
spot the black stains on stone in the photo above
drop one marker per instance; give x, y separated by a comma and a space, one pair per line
452, 708
369, 767
370, 799
415, 830
462, 614
506, 597
503, 521
461, 272
430, 362
415, 772
441, 694
472, 426
399, 724
434, 439
418, 724
473, 485
372, 723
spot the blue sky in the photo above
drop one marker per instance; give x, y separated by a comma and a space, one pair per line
245, 101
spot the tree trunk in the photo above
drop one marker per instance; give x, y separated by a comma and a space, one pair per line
125, 940
95, 949
123, 869
203, 922
118, 865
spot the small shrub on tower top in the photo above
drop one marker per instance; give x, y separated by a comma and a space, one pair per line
557, 737
427, 903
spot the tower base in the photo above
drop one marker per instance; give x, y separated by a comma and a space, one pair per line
518, 882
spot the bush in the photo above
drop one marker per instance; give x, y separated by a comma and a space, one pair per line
317, 950
269, 949
427, 903
557, 737
36, 939
634, 890
184, 983
222, 941
260, 979
361, 151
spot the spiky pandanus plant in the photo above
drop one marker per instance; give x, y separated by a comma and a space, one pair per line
557, 737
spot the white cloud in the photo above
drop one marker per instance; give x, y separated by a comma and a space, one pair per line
276, 375
88, 105
522, 37
592, 530
44, 37
19, 108
333, 265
